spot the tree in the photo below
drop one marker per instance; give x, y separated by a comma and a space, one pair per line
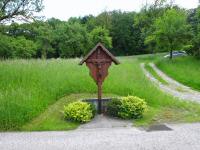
100, 34
72, 39
44, 39
23, 9
123, 33
23, 48
6, 48
16, 47
143, 25
172, 30
194, 20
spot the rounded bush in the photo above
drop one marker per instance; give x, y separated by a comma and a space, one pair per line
132, 107
79, 112
113, 107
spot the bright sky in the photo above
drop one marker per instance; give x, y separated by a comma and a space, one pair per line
64, 9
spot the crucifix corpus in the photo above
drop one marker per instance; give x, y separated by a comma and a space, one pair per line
98, 60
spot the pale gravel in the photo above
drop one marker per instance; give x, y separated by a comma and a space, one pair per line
182, 137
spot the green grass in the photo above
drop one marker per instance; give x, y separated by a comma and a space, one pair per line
154, 73
29, 87
53, 117
186, 70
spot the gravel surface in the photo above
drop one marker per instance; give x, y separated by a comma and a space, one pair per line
101, 121
173, 88
182, 137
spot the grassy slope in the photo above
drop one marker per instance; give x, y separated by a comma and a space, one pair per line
185, 70
53, 118
27, 88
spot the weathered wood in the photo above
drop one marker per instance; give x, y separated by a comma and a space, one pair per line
98, 61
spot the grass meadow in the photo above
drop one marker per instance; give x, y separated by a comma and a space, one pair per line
183, 69
29, 87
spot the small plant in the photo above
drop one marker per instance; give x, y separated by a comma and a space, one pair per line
93, 108
132, 107
79, 112
113, 107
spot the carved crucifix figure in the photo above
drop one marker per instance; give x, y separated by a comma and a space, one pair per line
98, 61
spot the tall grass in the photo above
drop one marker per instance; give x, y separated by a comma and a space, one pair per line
28, 87
185, 70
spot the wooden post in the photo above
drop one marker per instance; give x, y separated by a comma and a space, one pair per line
99, 98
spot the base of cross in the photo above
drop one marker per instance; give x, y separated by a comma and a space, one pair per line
99, 106
95, 102
99, 98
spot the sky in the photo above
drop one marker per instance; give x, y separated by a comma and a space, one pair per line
64, 9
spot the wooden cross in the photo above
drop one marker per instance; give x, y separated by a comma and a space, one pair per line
98, 61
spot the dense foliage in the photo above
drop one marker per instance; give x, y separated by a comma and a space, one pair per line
113, 107
78, 111
170, 30
130, 107
156, 28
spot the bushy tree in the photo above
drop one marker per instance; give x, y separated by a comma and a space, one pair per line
16, 47
73, 40
123, 33
6, 48
171, 30
100, 34
44, 39
143, 25
23, 48
194, 49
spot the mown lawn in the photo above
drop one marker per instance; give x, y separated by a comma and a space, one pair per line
183, 69
29, 87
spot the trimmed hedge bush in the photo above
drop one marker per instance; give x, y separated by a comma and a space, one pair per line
113, 107
130, 107
79, 112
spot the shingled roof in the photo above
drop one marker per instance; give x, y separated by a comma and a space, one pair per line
104, 49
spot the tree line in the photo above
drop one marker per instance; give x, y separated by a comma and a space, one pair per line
156, 28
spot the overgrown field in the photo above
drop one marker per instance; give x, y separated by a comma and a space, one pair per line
28, 87
184, 69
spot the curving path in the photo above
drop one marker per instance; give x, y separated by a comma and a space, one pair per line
173, 87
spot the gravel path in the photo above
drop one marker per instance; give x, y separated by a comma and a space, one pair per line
173, 87
101, 121
182, 137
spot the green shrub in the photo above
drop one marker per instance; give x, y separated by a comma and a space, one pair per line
113, 107
93, 108
132, 107
78, 111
